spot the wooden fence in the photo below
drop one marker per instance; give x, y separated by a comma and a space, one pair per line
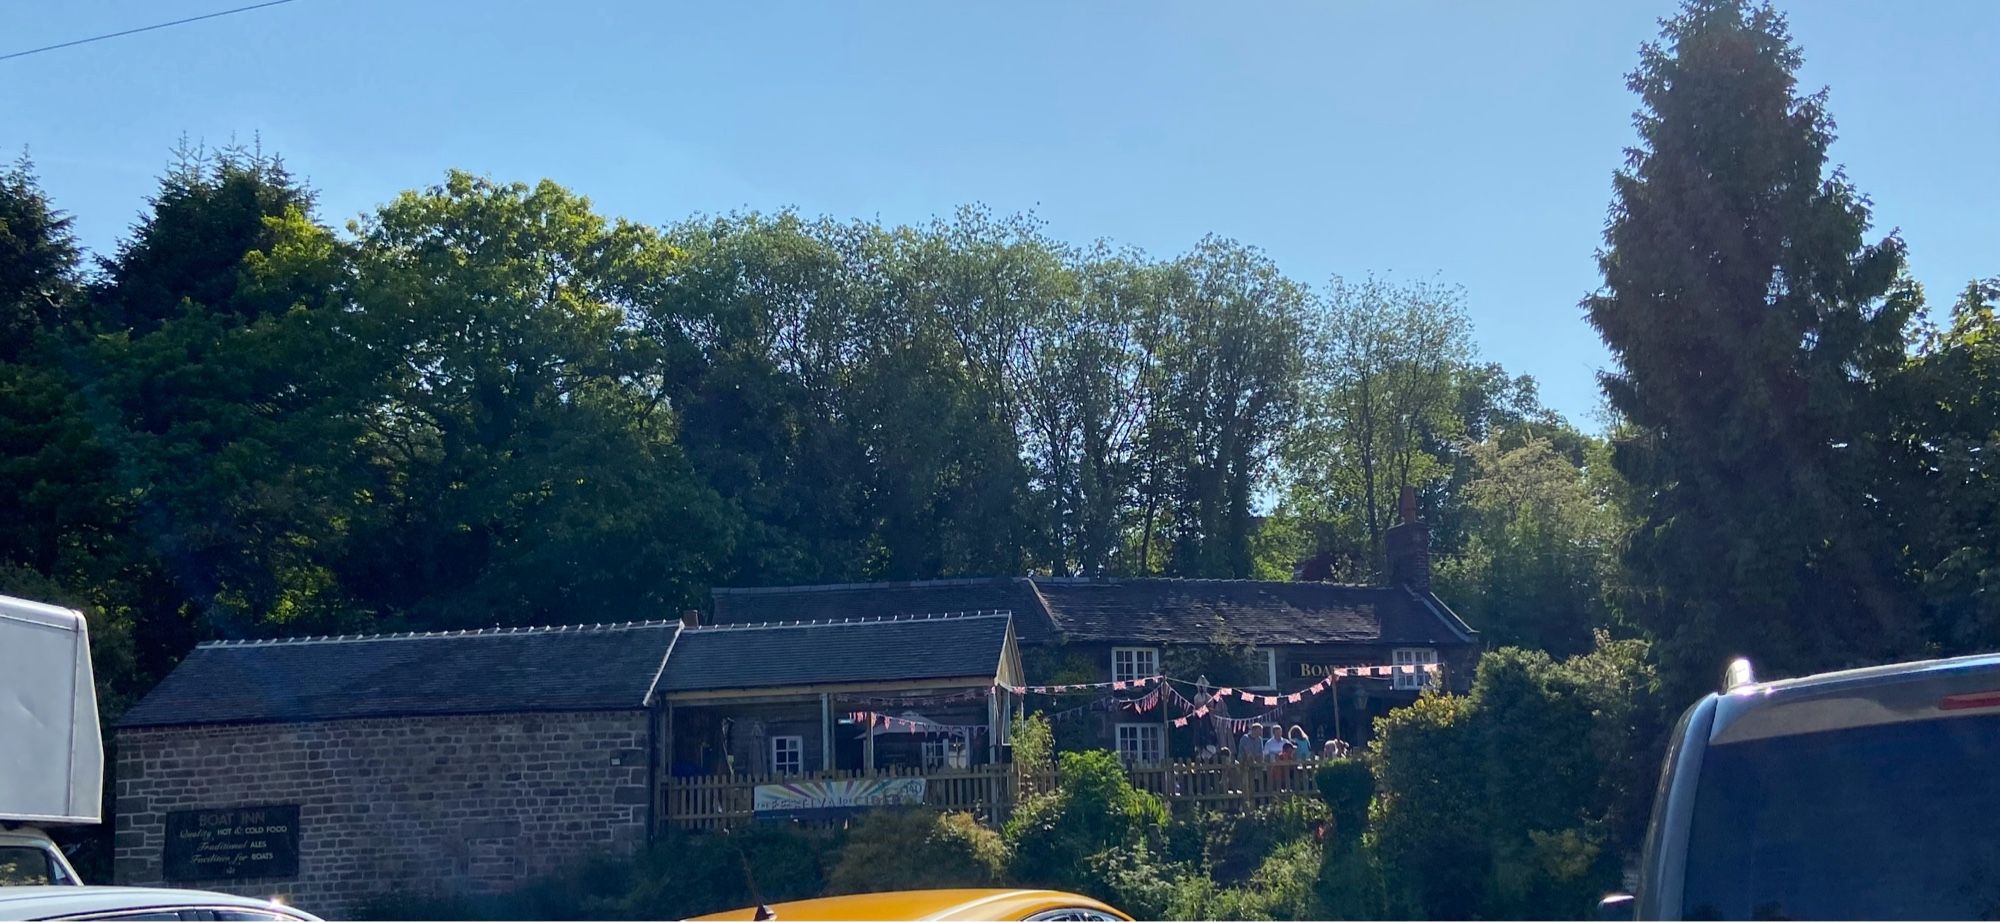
720, 801
714, 802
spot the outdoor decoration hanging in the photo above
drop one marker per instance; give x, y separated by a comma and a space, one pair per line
1119, 685
907, 725
917, 700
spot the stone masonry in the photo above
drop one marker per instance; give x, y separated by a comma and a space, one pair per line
388, 806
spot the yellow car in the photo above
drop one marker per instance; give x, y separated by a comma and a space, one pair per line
1025, 905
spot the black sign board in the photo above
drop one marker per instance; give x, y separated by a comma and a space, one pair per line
233, 843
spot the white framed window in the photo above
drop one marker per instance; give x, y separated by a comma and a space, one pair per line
1414, 656
1128, 663
788, 755
1139, 744
1268, 681
935, 752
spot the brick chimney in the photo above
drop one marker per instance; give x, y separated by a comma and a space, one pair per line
1407, 545
691, 618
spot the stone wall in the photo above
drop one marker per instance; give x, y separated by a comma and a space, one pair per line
388, 806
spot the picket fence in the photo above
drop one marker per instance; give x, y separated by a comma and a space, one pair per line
713, 802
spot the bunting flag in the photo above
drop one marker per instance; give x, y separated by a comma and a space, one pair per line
914, 701
1143, 704
1295, 697
1120, 685
1180, 721
906, 725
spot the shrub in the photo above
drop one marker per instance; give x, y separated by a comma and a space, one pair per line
1034, 744
1519, 799
1094, 808
1234, 845
1281, 888
1346, 786
1136, 880
917, 849
1350, 884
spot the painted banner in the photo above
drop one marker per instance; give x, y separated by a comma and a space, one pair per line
803, 799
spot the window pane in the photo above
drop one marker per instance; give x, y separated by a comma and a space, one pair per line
1883, 822
25, 866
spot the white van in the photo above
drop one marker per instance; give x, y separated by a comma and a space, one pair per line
52, 763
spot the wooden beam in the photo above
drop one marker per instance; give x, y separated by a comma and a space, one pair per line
825, 732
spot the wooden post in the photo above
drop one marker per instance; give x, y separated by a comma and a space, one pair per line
825, 732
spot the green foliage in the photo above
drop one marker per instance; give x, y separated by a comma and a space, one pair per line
1539, 551
1138, 880
1753, 323
1385, 361
1346, 786
1519, 799
1351, 884
917, 849
1282, 887
1941, 488
1093, 809
681, 876
1033, 742
1235, 844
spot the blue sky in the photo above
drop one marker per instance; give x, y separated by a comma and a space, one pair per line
1473, 142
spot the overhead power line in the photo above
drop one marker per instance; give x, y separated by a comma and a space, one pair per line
162, 25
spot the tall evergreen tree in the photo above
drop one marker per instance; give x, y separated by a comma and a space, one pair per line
1752, 322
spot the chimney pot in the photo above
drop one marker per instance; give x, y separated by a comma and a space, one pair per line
691, 618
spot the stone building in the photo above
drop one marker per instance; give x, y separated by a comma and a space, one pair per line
330, 770
1291, 633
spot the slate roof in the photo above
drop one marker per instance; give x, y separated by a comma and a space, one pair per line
1263, 612
826, 652
882, 600
579, 668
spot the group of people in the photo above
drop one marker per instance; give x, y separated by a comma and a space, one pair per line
1274, 744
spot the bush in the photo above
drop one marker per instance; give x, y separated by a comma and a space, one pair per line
1093, 809
1034, 744
1235, 845
917, 849
1350, 884
1346, 786
1518, 799
1281, 888
1136, 880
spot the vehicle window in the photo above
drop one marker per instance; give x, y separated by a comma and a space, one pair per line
25, 866
251, 915
1071, 915
1885, 822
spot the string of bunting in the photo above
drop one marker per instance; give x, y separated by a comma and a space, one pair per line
1144, 703
1119, 685
917, 700
907, 725
1163, 690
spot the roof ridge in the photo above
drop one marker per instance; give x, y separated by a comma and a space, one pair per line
423, 635
1109, 580
890, 584
856, 622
